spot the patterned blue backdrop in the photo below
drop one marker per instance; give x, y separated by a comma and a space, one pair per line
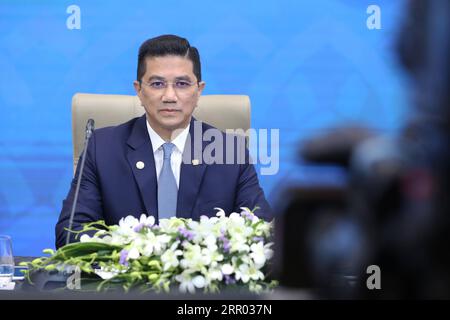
306, 65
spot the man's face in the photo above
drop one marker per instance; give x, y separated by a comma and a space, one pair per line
169, 93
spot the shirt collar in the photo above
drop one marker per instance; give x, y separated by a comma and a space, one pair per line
157, 141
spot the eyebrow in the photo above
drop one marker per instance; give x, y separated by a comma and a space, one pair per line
155, 77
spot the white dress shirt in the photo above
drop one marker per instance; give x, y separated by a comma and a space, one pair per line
177, 153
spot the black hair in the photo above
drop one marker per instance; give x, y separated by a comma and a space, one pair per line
168, 45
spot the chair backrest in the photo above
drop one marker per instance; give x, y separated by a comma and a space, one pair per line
221, 111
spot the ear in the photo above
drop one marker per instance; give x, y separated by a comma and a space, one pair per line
201, 86
137, 87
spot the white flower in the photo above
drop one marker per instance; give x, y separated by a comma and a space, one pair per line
186, 284
105, 275
238, 244
199, 281
86, 238
211, 242
227, 269
119, 239
170, 258
108, 272
236, 218
125, 231
154, 244
129, 222
255, 273
242, 273
212, 256
263, 229
133, 253
171, 225
194, 258
147, 221
203, 229
214, 274
246, 272
106, 239
237, 227
260, 253
220, 212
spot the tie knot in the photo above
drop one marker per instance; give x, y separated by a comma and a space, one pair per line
168, 148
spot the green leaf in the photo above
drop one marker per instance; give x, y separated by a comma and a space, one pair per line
153, 277
49, 251
84, 248
50, 267
155, 264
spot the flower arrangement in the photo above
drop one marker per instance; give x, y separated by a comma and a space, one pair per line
182, 254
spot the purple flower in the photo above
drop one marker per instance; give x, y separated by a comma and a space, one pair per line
226, 245
186, 233
247, 215
222, 236
258, 239
138, 227
123, 257
225, 242
229, 279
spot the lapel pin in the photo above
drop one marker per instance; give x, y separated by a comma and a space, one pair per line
140, 165
195, 162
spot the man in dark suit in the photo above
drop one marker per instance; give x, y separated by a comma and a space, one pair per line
149, 165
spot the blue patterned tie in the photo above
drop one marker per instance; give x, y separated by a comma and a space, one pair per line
167, 186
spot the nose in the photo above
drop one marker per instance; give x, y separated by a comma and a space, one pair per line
169, 94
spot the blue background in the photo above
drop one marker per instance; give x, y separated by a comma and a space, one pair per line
306, 65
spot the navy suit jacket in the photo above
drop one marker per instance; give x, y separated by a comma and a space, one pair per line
113, 187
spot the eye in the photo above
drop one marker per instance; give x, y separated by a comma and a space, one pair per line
182, 84
158, 84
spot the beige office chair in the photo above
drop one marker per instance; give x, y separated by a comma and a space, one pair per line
221, 111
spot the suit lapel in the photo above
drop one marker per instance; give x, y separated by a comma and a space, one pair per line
191, 173
141, 151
